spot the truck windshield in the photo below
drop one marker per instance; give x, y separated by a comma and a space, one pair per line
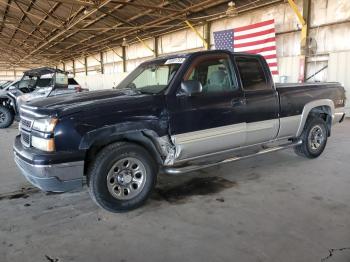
27, 83
151, 78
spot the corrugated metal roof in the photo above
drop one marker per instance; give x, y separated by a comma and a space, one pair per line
61, 29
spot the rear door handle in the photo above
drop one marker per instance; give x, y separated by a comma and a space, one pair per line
238, 102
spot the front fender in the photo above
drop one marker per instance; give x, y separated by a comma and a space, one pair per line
130, 131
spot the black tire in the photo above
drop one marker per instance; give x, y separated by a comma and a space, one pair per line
99, 170
6, 117
307, 148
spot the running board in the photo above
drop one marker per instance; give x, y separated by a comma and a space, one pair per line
186, 169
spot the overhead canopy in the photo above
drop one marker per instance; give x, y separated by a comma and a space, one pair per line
34, 32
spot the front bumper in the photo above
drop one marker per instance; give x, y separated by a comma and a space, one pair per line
48, 178
60, 177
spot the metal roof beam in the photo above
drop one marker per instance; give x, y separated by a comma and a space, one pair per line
153, 7
29, 14
52, 9
5, 14
74, 2
177, 15
90, 23
62, 32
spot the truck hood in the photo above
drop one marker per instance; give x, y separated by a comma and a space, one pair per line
72, 103
3, 93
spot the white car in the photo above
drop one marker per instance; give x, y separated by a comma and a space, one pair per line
35, 83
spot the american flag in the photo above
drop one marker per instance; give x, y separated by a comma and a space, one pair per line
257, 38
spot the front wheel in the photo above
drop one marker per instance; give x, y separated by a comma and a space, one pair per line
6, 117
121, 177
314, 138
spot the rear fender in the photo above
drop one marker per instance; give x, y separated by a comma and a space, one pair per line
324, 106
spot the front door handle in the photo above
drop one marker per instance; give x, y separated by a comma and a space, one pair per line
238, 102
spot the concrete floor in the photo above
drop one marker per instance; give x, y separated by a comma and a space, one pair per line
276, 207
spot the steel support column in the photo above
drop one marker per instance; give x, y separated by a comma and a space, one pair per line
73, 65
124, 58
304, 20
102, 63
156, 49
85, 65
305, 35
207, 33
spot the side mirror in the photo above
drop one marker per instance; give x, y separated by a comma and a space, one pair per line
191, 87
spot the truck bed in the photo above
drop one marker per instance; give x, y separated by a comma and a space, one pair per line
294, 96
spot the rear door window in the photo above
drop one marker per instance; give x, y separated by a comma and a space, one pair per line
252, 74
61, 79
71, 81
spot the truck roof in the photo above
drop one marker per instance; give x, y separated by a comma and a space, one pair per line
186, 55
43, 71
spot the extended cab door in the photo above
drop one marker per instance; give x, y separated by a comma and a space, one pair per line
213, 119
262, 103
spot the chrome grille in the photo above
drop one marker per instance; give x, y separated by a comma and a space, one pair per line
25, 138
26, 123
25, 129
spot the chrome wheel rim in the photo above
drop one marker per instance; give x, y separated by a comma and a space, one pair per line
316, 137
126, 178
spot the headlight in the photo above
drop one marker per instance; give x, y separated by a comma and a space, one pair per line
43, 144
45, 125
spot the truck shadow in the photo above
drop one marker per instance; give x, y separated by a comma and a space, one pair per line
210, 181
197, 186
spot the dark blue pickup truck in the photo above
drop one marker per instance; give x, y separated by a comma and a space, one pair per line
171, 115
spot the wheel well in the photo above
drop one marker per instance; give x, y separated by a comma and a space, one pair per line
99, 145
6, 102
325, 113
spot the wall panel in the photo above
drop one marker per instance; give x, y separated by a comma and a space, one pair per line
338, 71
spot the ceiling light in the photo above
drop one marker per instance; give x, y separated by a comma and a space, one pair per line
124, 43
232, 9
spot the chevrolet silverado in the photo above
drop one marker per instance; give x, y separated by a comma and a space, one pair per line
171, 115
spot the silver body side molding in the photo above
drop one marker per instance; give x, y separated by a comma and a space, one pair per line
186, 169
209, 140
289, 126
200, 144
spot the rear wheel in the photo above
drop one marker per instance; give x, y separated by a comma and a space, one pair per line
6, 117
314, 138
122, 177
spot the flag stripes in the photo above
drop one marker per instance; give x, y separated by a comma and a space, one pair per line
259, 38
